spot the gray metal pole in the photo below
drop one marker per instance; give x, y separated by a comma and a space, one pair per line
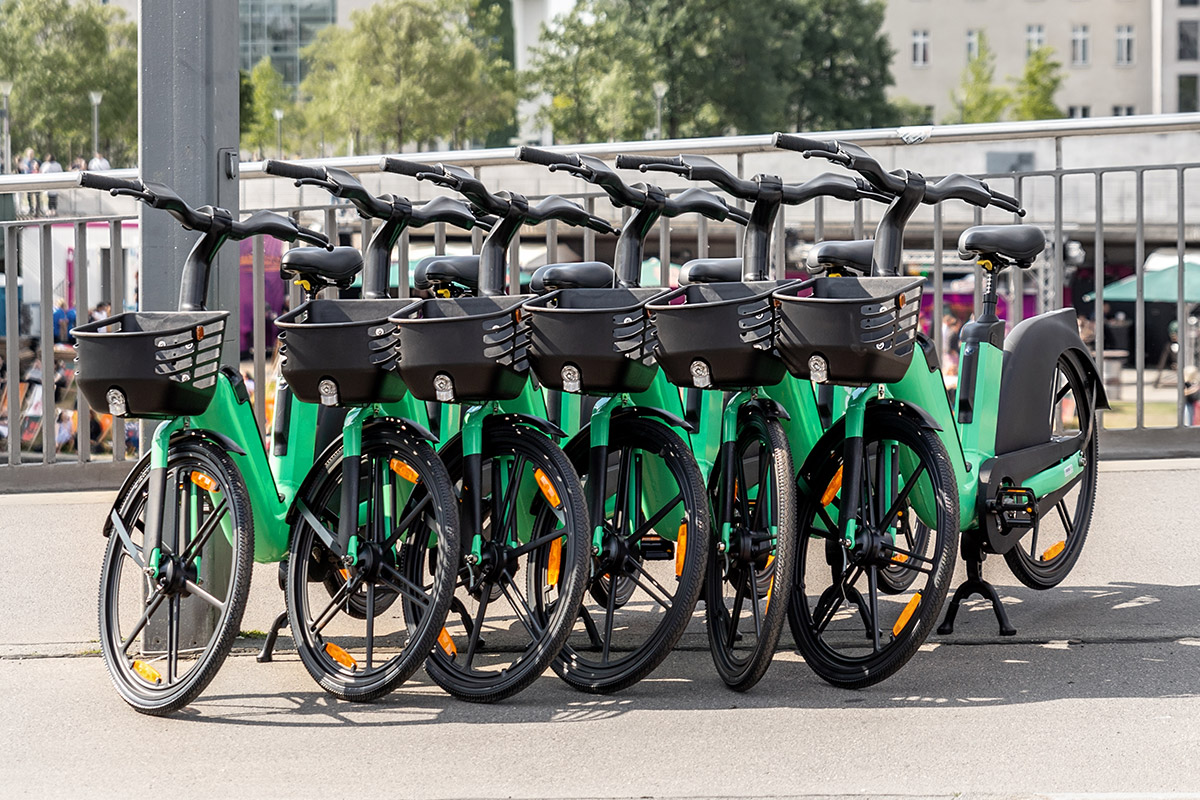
95, 128
188, 139
7, 141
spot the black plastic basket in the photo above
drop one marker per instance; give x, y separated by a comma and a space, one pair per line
342, 352
592, 341
718, 335
463, 349
862, 329
152, 364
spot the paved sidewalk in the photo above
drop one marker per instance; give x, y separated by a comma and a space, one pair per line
1098, 693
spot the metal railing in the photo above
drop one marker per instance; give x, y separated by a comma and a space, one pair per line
1115, 210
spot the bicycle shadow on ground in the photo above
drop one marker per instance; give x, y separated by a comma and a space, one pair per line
1114, 641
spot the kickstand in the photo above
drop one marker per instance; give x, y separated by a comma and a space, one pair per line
264, 655
975, 584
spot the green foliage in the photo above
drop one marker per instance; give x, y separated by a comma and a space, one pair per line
907, 112
245, 103
978, 98
410, 71
748, 66
55, 52
1033, 92
267, 93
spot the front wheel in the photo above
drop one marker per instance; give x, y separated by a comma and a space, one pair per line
745, 606
849, 630
164, 635
355, 640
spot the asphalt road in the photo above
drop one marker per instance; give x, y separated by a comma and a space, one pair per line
1099, 693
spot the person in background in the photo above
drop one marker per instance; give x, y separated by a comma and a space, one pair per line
64, 321
78, 164
51, 165
1191, 396
98, 162
29, 165
101, 311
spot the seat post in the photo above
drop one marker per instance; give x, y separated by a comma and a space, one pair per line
990, 265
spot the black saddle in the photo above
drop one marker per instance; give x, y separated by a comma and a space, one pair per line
462, 270
321, 267
840, 256
580, 275
711, 270
1021, 243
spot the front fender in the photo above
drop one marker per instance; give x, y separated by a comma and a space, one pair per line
768, 407
831, 441
544, 425
673, 420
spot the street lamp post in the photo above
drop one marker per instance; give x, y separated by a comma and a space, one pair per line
278, 132
6, 88
96, 97
660, 91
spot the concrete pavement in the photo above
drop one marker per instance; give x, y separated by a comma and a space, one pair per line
1098, 693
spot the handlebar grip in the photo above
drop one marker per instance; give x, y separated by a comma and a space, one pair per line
285, 169
1007, 202
410, 168
313, 237
93, 180
790, 141
637, 162
600, 224
546, 158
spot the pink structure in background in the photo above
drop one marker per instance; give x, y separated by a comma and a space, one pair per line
275, 289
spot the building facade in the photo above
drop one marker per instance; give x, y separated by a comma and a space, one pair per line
1118, 57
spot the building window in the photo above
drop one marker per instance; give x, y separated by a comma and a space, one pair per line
972, 45
1189, 2
1035, 37
1079, 112
920, 48
1189, 93
1123, 111
1080, 46
1189, 39
1124, 45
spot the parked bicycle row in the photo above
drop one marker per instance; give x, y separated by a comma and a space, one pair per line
491, 485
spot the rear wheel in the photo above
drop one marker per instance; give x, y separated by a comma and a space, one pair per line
848, 629
1047, 554
497, 639
164, 636
745, 603
647, 577
358, 643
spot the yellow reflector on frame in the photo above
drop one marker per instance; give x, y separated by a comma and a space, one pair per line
547, 487
1054, 551
833, 488
404, 470
554, 562
341, 656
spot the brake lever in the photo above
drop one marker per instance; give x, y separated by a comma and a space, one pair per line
739, 215
581, 171
678, 169
145, 197
440, 179
838, 158
327, 185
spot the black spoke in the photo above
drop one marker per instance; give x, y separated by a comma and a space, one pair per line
873, 588
152, 605
370, 622
649, 524
902, 500
485, 595
541, 541
508, 512
621, 503
752, 585
736, 613
391, 577
823, 622
762, 502
321, 620
193, 589
206, 530
527, 619
407, 520
126, 541
1063, 515
641, 571
589, 625
609, 612
173, 638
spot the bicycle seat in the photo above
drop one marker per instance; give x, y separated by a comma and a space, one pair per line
463, 270
579, 275
321, 267
1021, 243
854, 256
711, 270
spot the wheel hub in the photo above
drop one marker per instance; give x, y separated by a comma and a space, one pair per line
173, 575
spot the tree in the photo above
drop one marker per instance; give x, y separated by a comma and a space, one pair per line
408, 71
55, 52
1033, 92
267, 93
749, 66
978, 98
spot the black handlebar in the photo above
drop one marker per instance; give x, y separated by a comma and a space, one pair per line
94, 180
287, 169
646, 162
546, 158
802, 144
402, 166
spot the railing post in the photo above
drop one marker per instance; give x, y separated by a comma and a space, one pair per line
116, 280
935, 321
1098, 279
12, 341
260, 336
83, 435
1139, 314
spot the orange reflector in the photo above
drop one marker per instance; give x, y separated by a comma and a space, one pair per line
899, 558
548, 490
147, 672
1054, 551
680, 548
345, 573
404, 470
341, 656
199, 332
834, 487
447, 643
205, 482
554, 562
770, 584
900, 301
906, 614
